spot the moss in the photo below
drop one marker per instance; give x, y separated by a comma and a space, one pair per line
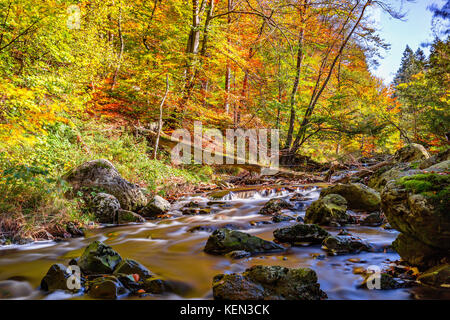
435, 187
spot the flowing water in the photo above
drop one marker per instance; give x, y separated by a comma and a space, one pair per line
170, 249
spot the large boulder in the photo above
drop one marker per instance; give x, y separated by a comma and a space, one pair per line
418, 206
275, 206
158, 205
105, 208
268, 283
224, 240
301, 233
98, 258
411, 152
358, 196
101, 176
329, 210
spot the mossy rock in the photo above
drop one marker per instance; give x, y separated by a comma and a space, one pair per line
101, 174
358, 196
125, 216
301, 233
268, 283
99, 258
223, 241
435, 159
419, 207
329, 210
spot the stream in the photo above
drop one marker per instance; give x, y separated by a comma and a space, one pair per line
170, 249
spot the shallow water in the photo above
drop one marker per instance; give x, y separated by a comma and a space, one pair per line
168, 249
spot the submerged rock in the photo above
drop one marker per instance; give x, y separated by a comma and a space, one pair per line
223, 241
268, 283
411, 152
345, 244
11, 289
99, 258
301, 233
438, 276
107, 287
329, 210
274, 206
158, 205
101, 176
418, 207
358, 196
238, 254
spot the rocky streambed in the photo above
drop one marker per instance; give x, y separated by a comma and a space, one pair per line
173, 250
382, 235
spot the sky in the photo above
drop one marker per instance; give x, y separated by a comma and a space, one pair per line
413, 32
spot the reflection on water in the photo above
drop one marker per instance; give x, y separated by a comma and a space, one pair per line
169, 248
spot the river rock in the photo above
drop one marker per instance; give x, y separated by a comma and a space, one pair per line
438, 276
329, 210
238, 254
274, 206
375, 219
345, 244
281, 218
105, 207
223, 241
301, 233
56, 278
157, 285
268, 283
158, 205
418, 207
194, 208
411, 152
125, 216
99, 258
129, 266
358, 196
106, 287
101, 176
